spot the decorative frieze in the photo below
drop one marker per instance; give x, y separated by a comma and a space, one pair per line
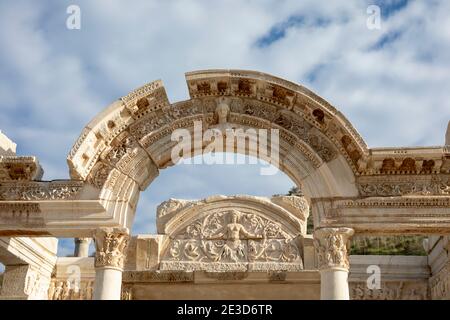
384, 186
158, 276
396, 202
53, 190
390, 290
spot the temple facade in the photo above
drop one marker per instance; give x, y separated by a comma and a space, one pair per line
226, 247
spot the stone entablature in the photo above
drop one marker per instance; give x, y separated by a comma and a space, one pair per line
385, 215
403, 278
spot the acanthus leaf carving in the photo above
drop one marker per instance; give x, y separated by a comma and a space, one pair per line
110, 248
54, 190
331, 246
404, 185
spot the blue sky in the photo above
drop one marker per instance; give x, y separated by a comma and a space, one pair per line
393, 84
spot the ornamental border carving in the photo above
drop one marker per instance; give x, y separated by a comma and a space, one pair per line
30, 191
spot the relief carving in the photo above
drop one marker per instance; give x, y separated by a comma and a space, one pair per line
99, 174
232, 237
67, 290
389, 290
408, 185
331, 246
440, 284
110, 245
127, 292
54, 190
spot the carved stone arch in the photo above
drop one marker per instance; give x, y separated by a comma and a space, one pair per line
122, 150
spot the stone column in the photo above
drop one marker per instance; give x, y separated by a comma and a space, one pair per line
331, 246
82, 247
109, 260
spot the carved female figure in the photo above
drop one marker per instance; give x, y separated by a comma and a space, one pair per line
233, 249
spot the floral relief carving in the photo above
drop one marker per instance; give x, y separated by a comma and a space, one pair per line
289, 122
99, 175
55, 190
126, 146
389, 290
411, 185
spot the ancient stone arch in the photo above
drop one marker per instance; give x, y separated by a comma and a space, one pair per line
133, 136
352, 189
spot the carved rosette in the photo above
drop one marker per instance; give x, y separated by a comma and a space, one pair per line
332, 247
110, 248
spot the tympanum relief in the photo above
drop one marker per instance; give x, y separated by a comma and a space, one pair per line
232, 240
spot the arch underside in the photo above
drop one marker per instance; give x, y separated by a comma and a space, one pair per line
121, 151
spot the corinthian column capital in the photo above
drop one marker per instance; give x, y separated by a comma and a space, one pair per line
332, 247
110, 246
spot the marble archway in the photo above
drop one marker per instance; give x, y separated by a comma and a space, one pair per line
351, 188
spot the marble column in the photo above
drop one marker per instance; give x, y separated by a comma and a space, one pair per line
110, 245
332, 253
82, 247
